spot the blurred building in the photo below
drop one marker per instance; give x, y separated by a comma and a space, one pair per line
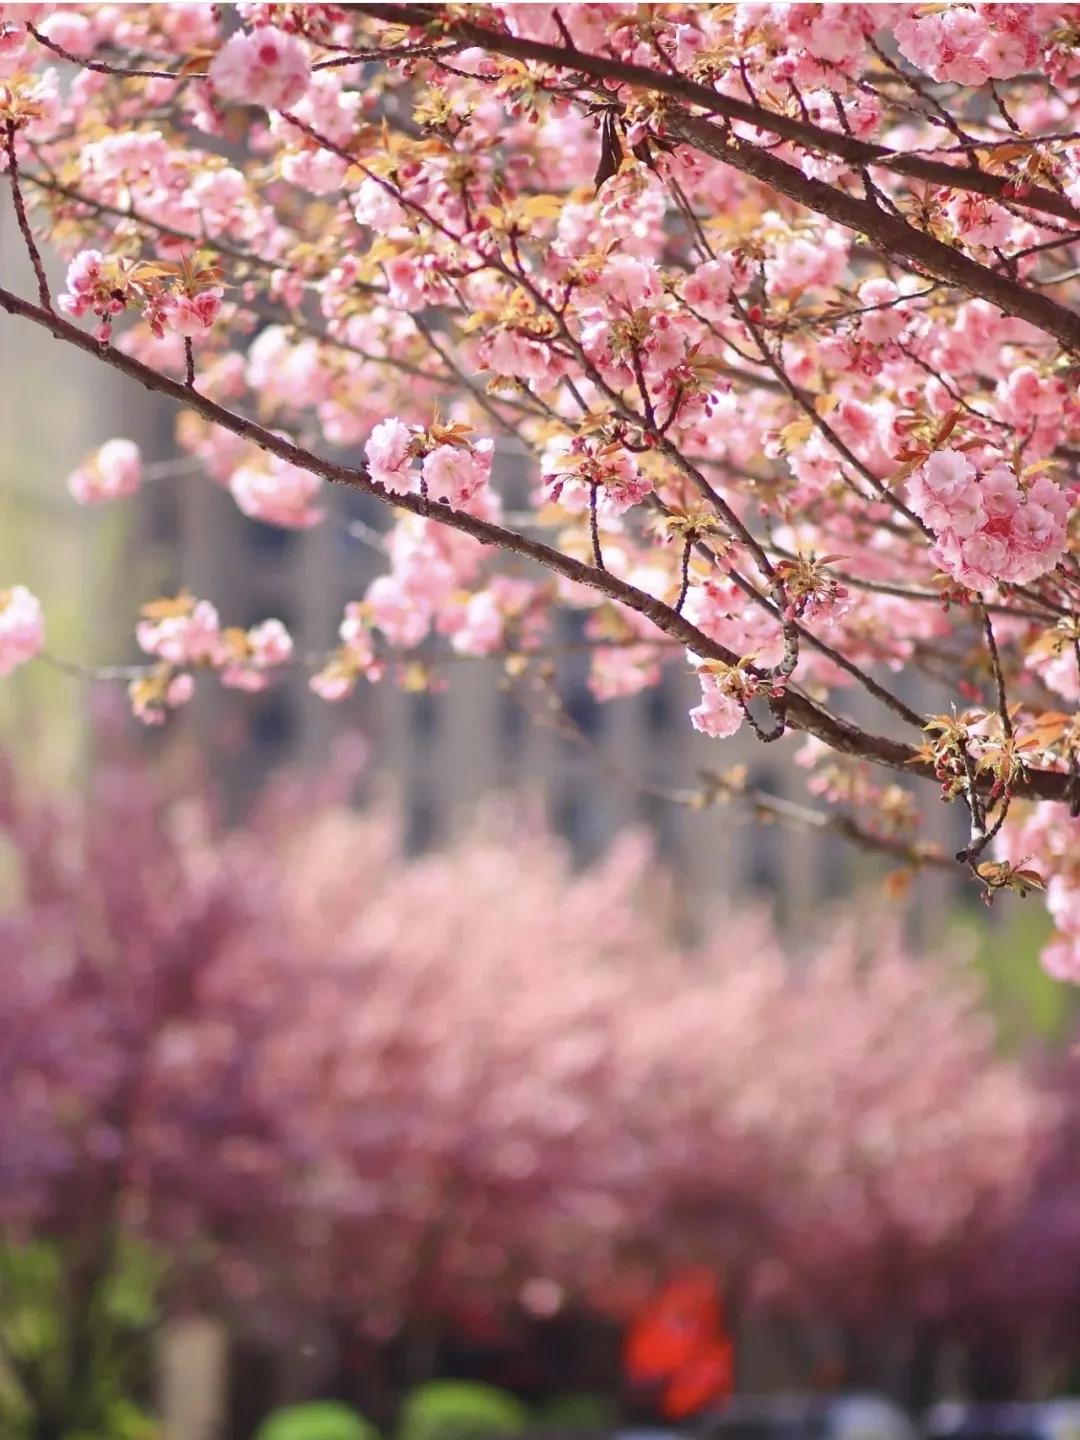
436, 753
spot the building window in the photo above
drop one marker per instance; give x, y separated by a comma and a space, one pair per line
273, 720
657, 704
576, 815
421, 822
662, 818
762, 850
582, 705
424, 716
269, 539
512, 722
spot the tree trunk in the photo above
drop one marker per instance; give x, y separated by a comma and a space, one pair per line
994, 1365
923, 1364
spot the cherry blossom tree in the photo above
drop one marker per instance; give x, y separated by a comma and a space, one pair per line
316, 1073
772, 305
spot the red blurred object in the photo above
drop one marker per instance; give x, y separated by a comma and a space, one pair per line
679, 1348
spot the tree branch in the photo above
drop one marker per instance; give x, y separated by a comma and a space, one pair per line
927, 255
857, 153
803, 713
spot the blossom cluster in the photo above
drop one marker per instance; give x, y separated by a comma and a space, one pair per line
574, 466
453, 469
852, 1129
22, 628
264, 66
1047, 839
277, 492
186, 634
971, 45
355, 657
114, 470
185, 299
992, 526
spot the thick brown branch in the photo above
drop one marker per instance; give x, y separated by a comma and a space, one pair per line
858, 153
482, 530
927, 255
802, 712
890, 231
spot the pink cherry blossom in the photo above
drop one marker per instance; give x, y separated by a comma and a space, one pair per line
190, 636
1046, 839
709, 287
400, 614
354, 659
84, 272
571, 468
374, 205
151, 705
332, 683
628, 670
628, 281
84, 276
990, 529
719, 715
266, 646
389, 456
1025, 393
262, 67
479, 628
70, 30
277, 492
111, 472
192, 314
22, 628
455, 474
1061, 960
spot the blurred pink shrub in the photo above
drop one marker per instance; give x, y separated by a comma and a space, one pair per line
321, 1069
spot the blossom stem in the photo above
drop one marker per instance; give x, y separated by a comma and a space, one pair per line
594, 530
999, 678
688, 549
21, 216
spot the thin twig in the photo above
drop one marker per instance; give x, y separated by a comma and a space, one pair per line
594, 528
999, 678
21, 216
688, 549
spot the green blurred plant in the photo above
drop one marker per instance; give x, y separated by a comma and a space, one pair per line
460, 1410
317, 1420
580, 1412
73, 1341
1028, 1006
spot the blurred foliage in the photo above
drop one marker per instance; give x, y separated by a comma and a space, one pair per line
317, 1420
74, 558
1028, 1006
580, 1412
73, 1341
460, 1410
441, 1410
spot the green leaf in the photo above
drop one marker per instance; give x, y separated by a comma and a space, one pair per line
318, 1420
460, 1410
